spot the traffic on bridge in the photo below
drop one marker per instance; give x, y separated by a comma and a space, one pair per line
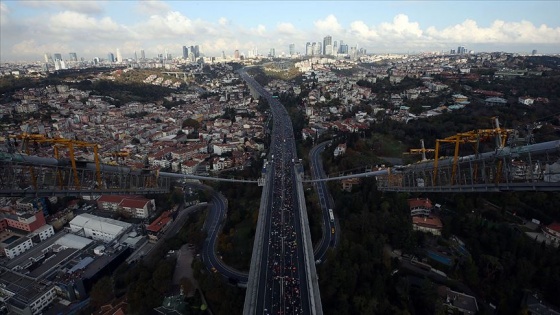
286, 281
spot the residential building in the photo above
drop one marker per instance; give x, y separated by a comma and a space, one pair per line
17, 247
27, 221
420, 206
159, 226
135, 206
431, 224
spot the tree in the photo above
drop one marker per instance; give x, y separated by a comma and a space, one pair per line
189, 122
102, 292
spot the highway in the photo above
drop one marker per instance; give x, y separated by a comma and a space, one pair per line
286, 280
283, 284
329, 238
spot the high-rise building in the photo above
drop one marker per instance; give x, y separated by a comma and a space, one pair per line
335, 48
185, 52
461, 50
57, 56
318, 49
534, 52
142, 54
48, 57
343, 49
236, 54
110, 57
119, 56
292, 49
327, 41
59, 64
308, 49
272, 53
73, 56
135, 56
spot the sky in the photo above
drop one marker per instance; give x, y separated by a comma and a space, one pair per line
29, 29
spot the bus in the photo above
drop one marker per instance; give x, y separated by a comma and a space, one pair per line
331, 215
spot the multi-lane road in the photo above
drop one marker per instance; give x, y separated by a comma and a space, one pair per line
283, 279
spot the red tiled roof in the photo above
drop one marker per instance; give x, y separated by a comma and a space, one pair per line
429, 222
160, 222
414, 203
134, 203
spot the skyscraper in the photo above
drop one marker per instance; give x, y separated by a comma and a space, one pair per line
110, 57
119, 56
272, 53
57, 56
308, 49
327, 44
318, 49
236, 54
292, 49
73, 56
185, 52
335, 48
142, 54
48, 57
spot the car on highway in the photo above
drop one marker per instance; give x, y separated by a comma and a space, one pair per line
332, 230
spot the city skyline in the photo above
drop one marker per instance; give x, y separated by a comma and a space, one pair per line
29, 29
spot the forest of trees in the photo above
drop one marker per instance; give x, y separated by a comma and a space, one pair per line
504, 265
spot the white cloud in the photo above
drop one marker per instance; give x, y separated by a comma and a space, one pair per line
95, 35
30, 47
362, 31
74, 21
173, 25
400, 28
286, 28
329, 24
499, 31
223, 21
77, 29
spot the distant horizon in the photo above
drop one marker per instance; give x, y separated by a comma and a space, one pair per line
29, 29
528, 53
